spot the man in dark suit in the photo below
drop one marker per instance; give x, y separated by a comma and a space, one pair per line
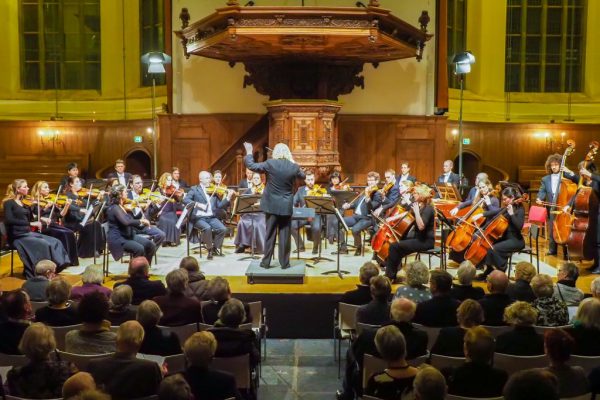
315, 224
177, 181
142, 287
362, 294
277, 199
246, 183
203, 217
392, 196
122, 375
377, 311
497, 300
440, 311
448, 176
405, 174
120, 174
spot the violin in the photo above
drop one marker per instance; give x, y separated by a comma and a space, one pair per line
258, 189
341, 186
386, 188
172, 191
217, 190
155, 197
86, 192
318, 191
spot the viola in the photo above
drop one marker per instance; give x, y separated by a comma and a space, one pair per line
318, 191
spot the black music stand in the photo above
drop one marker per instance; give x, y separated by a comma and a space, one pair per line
299, 213
92, 216
341, 224
343, 196
247, 204
323, 205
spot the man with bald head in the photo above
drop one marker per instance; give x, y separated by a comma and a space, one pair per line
497, 300
202, 216
143, 288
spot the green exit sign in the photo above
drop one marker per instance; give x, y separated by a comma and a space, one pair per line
466, 141
137, 139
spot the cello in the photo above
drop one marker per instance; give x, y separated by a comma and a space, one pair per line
582, 239
561, 225
391, 232
461, 236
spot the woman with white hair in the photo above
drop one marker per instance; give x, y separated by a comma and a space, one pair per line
464, 289
586, 328
92, 279
417, 275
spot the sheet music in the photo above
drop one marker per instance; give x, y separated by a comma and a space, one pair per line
88, 213
341, 220
184, 213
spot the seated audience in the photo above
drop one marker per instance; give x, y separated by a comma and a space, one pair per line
531, 384
362, 294
521, 290
377, 311
440, 311
36, 286
429, 384
95, 336
41, 377
566, 289
522, 340
197, 283
219, 292
92, 279
135, 377
476, 377
143, 288
397, 379
156, 341
59, 311
206, 383
174, 387
572, 380
464, 289
417, 276
177, 308
595, 288
120, 308
18, 312
77, 384
551, 311
497, 300
586, 329
451, 339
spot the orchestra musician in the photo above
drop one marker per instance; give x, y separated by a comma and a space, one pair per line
391, 196
246, 183
252, 227
72, 170
421, 237
548, 193
203, 218
335, 183
220, 208
142, 209
122, 235
405, 173
31, 246
362, 219
119, 173
315, 224
592, 179
177, 181
448, 176
473, 192
167, 214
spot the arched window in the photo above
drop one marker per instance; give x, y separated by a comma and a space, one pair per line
152, 37
457, 35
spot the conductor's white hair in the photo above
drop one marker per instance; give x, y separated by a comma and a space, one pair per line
282, 151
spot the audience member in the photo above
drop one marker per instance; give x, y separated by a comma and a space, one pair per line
219, 292
551, 311
586, 329
120, 308
36, 286
197, 283
177, 308
497, 300
92, 279
572, 381
59, 311
95, 336
451, 339
174, 387
397, 379
92, 394
440, 311
377, 311
566, 289
464, 289
417, 276
362, 294
135, 377
143, 288
156, 341
595, 288
40, 378
522, 340
521, 290
429, 384
476, 377
531, 384
78, 383
18, 311
206, 383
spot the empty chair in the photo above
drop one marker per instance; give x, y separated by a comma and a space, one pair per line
371, 365
183, 332
512, 364
176, 363
238, 366
440, 362
344, 326
81, 361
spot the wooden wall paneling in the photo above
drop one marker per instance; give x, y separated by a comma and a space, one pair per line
419, 154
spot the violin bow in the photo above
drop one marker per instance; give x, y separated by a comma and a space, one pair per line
39, 210
165, 204
87, 203
55, 200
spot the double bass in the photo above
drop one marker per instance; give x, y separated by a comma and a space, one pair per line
582, 239
561, 226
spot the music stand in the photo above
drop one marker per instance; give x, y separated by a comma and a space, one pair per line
247, 204
341, 224
447, 191
93, 216
323, 205
343, 196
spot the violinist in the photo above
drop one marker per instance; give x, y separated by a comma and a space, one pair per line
362, 219
473, 192
31, 246
390, 192
315, 224
177, 181
119, 173
220, 208
76, 210
448, 176
142, 209
405, 173
422, 235
167, 214
336, 183
252, 228
549, 189
50, 226
72, 170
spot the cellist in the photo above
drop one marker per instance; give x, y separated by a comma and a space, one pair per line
472, 194
592, 179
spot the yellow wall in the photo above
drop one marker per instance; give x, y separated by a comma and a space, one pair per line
484, 95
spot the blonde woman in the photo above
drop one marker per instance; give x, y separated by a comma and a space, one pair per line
167, 218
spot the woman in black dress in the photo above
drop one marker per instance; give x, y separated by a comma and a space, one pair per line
421, 236
31, 246
167, 216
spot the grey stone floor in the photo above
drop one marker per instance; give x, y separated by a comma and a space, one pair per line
299, 369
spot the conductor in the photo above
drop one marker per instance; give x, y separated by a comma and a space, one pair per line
277, 199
